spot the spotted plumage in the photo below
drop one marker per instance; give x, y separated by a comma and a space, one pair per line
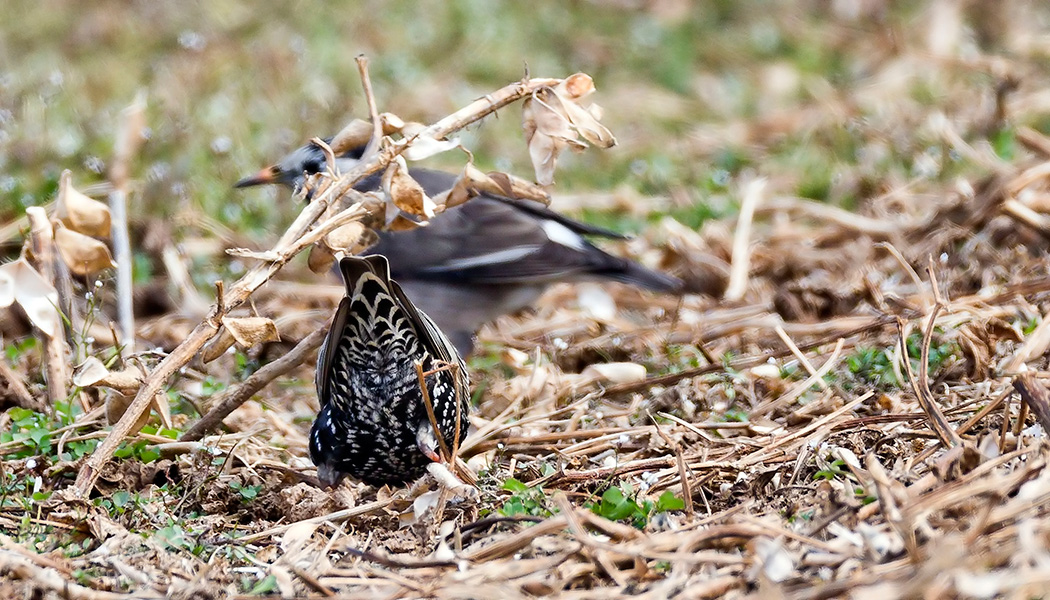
373, 423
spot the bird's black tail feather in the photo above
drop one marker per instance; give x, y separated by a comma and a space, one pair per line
632, 273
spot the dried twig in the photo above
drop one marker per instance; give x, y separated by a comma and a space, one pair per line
921, 385
129, 140
56, 361
231, 399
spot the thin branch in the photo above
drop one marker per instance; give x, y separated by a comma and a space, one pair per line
445, 453
129, 140
258, 380
373, 108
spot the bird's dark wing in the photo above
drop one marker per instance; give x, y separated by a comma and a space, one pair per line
328, 349
352, 268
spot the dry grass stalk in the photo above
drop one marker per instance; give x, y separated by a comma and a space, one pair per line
56, 352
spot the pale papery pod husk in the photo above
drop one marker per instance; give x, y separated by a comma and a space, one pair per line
404, 191
424, 147
117, 404
218, 346
20, 282
586, 123
616, 373
346, 237
547, 133
516, 187
249, 331
576, 86
82, 254
320, 259
89, 372
79, 212
163, 408
403, 223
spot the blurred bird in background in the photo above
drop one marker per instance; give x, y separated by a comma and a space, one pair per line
373, 423
477, 261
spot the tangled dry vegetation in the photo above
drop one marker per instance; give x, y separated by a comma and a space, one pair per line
852, 404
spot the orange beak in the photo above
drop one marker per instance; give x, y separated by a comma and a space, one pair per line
263, 177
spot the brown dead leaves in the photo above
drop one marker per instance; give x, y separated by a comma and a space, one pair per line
81, 221
554, 119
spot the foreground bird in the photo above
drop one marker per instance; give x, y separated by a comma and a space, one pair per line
373, 423
488, 257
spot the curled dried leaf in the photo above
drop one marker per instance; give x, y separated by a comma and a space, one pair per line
553, 119
218, 346
404, 191
249, 331
82, 254
79, 212
117, 404
20, 282
89, 372
320, 259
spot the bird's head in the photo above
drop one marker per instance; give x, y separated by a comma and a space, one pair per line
291, 171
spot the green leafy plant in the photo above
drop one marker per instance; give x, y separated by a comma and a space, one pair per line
248, 492
525, 500
620, 504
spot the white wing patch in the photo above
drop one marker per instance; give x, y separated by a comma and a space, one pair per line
502, 256
560, 234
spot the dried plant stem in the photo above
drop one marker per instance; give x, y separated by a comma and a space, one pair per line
1035, 396
921, 385
17, 388
738, 273
129, 140
257, 381
55, 350
373, 108
429, 405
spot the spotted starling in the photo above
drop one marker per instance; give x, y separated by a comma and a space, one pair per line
488, 257
373, 424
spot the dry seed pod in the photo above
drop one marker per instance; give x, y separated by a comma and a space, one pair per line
345, 236
21, 283
79, 212
249, 331
92, 372
117, 404
82, 254
218, 346
319, 260
405, 192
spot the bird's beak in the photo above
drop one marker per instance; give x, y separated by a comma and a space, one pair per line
267, 175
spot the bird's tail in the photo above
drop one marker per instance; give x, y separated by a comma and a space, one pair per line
630, 272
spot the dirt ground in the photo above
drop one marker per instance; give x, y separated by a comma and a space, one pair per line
851, 400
